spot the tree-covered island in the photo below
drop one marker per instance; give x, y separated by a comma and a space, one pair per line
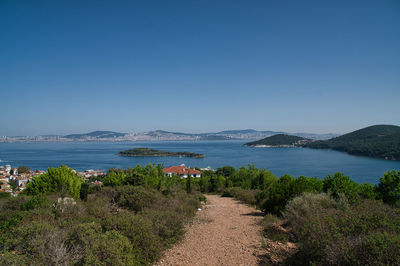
378, 141
141, 152
279, 140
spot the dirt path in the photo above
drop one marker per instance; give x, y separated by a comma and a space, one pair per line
225, 232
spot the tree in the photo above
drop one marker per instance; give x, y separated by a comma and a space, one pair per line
340, 184
14, 185
61, 179
389, 187
84, 191
226, 171
114, 178
189, 183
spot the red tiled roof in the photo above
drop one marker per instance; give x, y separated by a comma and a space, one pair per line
180, 170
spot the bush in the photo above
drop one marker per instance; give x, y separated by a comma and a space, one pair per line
300, 209
389, 187
139, 231
366, 233
244, 195
368, 191
135, 198
5, 195
166, 224
98, 248
276, 233
35, 202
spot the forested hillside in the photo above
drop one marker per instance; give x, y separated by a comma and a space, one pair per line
380, 141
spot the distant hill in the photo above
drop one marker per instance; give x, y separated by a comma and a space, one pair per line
240, 131
243, 134
279, 140
96, 134
380, 141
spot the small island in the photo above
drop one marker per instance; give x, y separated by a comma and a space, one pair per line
279, 140
147, 152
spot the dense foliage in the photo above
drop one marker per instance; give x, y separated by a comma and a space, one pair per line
278, 140
62, 179
112, 225
382, 141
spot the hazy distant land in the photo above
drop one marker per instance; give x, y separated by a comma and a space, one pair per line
161, 135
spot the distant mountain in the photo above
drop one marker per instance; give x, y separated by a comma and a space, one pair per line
96, 134
241, 131
380, 141
162, 135
315, 136
279, 140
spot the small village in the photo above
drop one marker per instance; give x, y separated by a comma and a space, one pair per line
14, 180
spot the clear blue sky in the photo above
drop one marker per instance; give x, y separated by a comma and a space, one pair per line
198, 66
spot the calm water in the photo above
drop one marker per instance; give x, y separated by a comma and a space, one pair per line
103, 155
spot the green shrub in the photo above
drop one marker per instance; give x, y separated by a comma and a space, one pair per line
98, 248
244, 195
35, 202
300, 209
5, 195
368, 191
276, 233
166, 224
139, 231
135, 198
389, 187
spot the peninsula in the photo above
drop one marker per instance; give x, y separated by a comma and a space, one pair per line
147, 152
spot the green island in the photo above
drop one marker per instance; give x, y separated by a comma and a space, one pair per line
379, 141
139, 152
279, 140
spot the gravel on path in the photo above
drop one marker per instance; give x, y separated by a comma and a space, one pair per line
224, 232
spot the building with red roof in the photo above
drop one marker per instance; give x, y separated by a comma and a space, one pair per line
181, 171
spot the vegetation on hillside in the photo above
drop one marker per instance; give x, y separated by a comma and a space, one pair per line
130, 221
279, 140
334, 221
138, 212
380, 141
138, 152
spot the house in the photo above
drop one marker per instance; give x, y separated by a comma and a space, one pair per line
181, 171
4, 186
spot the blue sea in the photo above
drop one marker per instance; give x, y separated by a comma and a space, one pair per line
103, 155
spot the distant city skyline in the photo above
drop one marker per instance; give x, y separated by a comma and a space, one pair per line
198, 66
